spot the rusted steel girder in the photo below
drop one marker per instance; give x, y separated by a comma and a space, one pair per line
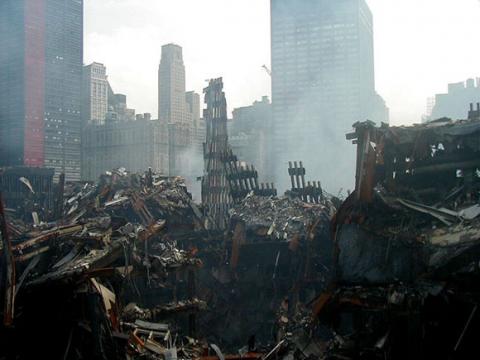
9, 269
61, 231
365, 138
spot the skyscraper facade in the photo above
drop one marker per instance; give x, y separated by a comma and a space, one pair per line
172, 105
180, 110
199, 135
41, 54
95, 94
322, 82
193, 106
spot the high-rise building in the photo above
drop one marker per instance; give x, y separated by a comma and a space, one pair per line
198, 133
199, 130
179, 110
172, 106
193, 106
41, 57
322, 82
95, 93
199, 138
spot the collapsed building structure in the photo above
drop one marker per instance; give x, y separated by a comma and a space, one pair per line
227, 180
16, 184
74, 277
406, 247
130, 267
273, 245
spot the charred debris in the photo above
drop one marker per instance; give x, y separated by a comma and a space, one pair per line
130, 267
131, 270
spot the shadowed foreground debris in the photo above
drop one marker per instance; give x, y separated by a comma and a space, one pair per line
133, 269
406, 251
75, 275
129, 270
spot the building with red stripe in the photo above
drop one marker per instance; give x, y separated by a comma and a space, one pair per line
41, 56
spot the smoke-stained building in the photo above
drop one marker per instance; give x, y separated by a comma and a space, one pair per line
248, 133
122, 139
41, 55
322, 82
135, 145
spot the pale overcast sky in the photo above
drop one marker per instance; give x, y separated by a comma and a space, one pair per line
420, 46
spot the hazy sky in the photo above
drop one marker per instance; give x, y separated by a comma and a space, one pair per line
420, 46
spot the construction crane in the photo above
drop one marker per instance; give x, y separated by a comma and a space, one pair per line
269, 72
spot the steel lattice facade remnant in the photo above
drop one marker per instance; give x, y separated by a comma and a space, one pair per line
215, 189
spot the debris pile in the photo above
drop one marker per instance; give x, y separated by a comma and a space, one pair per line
28, 190
141, 199
129, 268
74, 275
283, 219
276, 250
406, 247
132, 268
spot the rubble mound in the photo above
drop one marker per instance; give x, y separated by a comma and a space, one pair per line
280, 218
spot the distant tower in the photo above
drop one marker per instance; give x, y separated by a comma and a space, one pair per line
174, 110
95, 94
172, 106
193, 106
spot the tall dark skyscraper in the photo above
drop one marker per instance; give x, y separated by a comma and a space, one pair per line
41, 56
322, 82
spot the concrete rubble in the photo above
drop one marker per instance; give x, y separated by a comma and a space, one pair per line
405, 257
76, 274
132, 268
131, 271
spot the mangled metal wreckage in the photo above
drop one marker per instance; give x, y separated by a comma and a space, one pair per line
132, 268
275, 250
407, 244
76, 275
405, 252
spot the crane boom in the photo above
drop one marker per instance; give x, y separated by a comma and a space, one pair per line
269, 72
